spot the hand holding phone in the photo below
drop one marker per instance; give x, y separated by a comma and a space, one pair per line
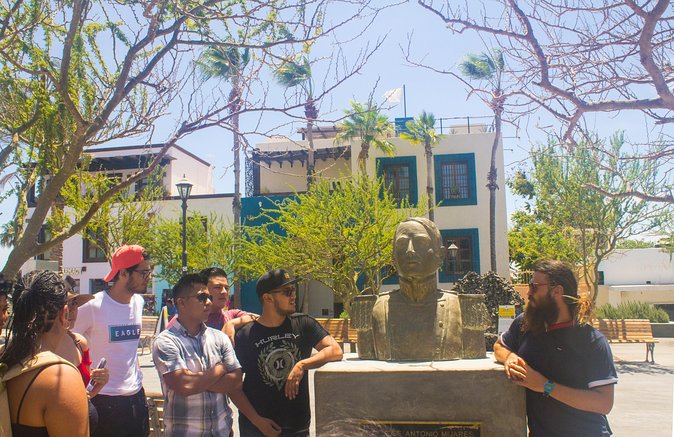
101, 365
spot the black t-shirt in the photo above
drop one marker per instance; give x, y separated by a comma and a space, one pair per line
575, 356
267, 355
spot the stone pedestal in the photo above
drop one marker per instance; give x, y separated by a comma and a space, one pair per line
352, 392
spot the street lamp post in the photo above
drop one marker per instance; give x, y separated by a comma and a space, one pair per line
184, 189
452, 250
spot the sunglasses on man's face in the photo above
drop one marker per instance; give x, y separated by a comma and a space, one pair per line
144, 273
287, 291
202, 297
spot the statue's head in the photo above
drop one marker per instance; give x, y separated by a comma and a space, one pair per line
417, 248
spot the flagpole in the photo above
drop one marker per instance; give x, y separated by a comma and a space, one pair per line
404, 102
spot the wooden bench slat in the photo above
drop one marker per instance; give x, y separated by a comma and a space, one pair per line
628, 331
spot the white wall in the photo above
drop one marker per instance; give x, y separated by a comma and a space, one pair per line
637, 266
197, 172
655, 294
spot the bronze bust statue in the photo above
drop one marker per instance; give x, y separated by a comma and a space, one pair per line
419, 322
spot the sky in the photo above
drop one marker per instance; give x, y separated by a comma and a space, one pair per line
406, 25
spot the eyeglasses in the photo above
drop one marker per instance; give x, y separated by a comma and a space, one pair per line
202, 297
145, 273
534, 285
286, 291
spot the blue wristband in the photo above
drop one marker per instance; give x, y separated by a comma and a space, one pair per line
548, 387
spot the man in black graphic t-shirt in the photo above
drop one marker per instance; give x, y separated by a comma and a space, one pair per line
274, 352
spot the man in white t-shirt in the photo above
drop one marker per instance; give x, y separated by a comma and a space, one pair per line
112, 322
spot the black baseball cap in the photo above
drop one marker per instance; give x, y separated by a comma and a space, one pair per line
272, 280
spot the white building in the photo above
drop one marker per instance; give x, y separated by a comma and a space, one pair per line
461, 163
642, 275
84, 261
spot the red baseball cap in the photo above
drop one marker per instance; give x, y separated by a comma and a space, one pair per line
125, 257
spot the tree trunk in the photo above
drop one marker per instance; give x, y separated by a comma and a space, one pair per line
363, 156
311, 113
310, 154
56, 252
236, 204
492, 185
305, 300
19, 255
429, 181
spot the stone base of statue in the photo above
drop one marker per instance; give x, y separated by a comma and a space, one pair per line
462, 398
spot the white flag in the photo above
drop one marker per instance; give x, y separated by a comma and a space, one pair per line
393, 96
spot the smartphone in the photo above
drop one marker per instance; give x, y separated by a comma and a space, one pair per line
101, 365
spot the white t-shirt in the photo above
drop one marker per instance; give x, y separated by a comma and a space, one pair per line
112, 330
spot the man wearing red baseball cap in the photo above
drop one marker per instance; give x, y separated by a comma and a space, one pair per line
112, 322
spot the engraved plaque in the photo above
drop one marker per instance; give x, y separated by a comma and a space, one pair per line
422, 429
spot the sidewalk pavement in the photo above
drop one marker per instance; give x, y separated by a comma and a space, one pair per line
644, 396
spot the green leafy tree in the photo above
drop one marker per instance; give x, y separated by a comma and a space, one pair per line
78, 74
530, 240
489, 67
565, 197
294, 73
634, 244
421, 130
334, 234
367, 124
210, 243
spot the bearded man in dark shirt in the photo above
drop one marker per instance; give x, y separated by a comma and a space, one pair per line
565, 365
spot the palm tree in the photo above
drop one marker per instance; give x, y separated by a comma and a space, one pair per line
228, 63
489, 67
366, 123
293, 73
421, 131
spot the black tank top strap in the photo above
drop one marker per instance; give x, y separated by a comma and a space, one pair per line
18, 411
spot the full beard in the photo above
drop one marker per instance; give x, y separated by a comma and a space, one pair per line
538, 317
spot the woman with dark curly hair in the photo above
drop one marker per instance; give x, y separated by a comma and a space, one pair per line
48, 399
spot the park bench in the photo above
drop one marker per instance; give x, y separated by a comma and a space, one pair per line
340, 331
155, 406
147, 333
628, 331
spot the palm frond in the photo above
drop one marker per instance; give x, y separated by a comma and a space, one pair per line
293, 73
223, 62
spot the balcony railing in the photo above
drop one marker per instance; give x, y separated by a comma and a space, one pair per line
453, 125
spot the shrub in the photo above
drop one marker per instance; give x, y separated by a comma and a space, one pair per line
497, 291
632, 310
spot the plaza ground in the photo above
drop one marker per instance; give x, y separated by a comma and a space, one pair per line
644, 396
